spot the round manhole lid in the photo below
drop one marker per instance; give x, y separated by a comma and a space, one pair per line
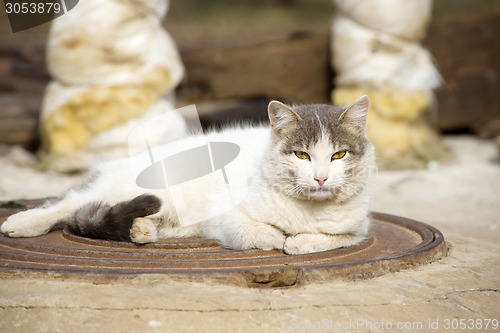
395, 243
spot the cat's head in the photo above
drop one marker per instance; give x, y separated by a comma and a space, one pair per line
318, 151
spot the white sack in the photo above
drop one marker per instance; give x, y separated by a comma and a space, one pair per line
404, 18
111, 42
371, 58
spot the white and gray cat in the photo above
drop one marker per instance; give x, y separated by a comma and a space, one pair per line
306, 179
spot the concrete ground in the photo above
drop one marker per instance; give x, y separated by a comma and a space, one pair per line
460, 293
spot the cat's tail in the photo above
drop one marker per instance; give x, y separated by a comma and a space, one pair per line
100, 220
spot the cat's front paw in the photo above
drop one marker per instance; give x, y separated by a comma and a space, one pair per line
24, 224
303, 244
293, 245
310, 243
143, 231
261, 236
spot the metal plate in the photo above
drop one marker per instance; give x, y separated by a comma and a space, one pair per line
396, 243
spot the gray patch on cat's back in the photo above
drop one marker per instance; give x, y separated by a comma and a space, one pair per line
91, 179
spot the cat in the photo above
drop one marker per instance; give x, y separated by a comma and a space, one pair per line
304, 179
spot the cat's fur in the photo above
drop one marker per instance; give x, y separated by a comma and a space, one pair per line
291, 204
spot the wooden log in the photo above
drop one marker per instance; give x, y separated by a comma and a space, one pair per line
22, 68
19, 119
467, 50
296, 69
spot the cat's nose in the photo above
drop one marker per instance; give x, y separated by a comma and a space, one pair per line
321, 180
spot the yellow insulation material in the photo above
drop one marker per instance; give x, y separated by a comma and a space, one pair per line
76, 122
397, 127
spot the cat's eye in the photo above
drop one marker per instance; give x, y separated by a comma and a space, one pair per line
302, 155
338, 155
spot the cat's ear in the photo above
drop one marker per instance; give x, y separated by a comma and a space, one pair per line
355, 114
281, 116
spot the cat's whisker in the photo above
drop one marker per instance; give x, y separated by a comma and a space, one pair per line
297, 189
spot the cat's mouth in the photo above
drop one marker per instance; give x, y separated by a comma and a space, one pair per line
320, 189
320, 192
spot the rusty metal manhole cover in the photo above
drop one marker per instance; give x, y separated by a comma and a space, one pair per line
396, 243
